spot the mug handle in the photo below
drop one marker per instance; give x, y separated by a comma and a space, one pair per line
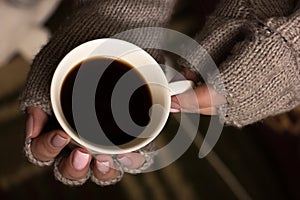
179, 87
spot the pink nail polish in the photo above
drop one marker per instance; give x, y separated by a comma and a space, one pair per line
58, 141
80, 160
175, 107
125, 161
103, 166
173, 110
29, 126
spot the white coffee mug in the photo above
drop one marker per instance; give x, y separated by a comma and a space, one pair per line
160, 90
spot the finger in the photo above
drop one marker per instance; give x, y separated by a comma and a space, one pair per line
202, 99
104, 168
204, 111
76, 165
35, 122
47, 146
131, 160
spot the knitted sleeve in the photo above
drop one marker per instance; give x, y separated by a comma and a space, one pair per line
256, 45
91, 19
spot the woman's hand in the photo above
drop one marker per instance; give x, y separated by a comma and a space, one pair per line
75, 168
256, 49
203, 99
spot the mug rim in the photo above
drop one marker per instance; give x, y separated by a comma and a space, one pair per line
81, 53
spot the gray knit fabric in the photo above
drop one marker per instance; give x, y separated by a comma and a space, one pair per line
148, 152
102, 183
92, 19
256, 45
58, 176
31, 158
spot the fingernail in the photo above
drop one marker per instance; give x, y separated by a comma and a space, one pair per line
80, 160
174, 107
29, 126
174, 110
125, 161
58, 141
103, 166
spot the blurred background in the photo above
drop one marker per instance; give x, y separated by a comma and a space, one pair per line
261, 161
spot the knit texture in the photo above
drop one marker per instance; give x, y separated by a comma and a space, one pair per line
112, 181
256, 46
91, 19
58, 176
31, 158
148, 152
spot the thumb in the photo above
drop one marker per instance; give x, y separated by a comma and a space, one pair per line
35, 122
203, 99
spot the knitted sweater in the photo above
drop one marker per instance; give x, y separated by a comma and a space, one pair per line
256, 44
260, 76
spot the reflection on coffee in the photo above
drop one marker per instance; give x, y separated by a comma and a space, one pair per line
139, 104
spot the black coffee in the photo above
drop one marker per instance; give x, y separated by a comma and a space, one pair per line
139, 104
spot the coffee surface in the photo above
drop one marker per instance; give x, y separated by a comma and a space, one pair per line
139, 104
